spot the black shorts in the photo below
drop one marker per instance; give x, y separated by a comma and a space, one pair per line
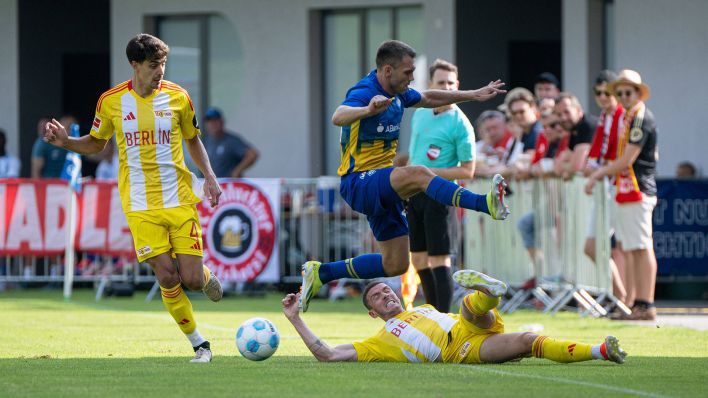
432, 226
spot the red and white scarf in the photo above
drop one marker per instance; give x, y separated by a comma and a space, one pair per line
627, 185
598, 141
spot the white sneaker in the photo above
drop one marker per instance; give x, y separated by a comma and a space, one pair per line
479, 281
202, 355
213, 288
613, 350
495, 199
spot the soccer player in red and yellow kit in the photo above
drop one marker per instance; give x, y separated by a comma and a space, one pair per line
475, 335
150, 117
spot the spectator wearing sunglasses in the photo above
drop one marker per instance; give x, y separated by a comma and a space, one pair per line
602, 151
635, 171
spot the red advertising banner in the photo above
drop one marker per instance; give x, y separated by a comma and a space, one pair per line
33, 218
240, 234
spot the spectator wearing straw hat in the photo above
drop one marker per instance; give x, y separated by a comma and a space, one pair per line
635, 171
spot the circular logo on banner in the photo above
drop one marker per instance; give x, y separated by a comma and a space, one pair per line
239, 234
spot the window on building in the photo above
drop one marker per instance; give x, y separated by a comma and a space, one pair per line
206, 58
349, 42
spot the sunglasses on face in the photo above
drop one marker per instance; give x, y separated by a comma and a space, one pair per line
602, 92
624, 93
518, 112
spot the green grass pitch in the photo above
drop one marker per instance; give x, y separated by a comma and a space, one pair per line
129, 348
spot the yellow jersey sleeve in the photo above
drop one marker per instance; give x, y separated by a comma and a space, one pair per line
188, 121
102, 126
369, 350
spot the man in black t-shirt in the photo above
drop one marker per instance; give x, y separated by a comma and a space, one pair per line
581, 127
635, 170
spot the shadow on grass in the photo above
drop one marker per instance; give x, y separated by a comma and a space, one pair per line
302, 375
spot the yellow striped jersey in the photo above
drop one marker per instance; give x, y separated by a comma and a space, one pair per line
149, 131
418, 335
370, 143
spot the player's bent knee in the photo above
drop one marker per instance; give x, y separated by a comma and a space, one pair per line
395, 267
526, 340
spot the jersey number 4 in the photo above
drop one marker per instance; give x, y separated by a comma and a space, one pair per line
194, 233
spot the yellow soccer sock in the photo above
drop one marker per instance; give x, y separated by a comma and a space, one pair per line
479, 303
207, 274
561, 351
179, 306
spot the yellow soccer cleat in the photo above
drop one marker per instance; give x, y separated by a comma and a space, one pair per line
311, 283
479, 281
495, 199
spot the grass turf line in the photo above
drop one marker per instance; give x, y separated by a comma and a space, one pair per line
126, 347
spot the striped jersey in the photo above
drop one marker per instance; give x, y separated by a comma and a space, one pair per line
370, 143
418, 335
152, 173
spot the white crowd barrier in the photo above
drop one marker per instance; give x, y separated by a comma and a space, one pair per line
313, 223
561, 271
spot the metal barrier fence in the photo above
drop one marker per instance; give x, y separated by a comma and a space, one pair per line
316, 223
560, 272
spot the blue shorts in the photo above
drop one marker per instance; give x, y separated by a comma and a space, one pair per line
370, 193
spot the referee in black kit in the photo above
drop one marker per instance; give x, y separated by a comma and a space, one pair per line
443, 140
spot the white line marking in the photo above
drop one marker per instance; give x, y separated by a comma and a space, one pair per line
568, 381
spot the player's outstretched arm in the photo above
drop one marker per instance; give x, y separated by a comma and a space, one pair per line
438, 98
196, 149
345, 115
55, 134
318, 348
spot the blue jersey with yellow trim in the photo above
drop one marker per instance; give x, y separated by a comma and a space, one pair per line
370, 143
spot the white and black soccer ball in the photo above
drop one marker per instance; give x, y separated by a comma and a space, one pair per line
257, 339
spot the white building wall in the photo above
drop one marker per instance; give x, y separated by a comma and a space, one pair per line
9, 75
667, 42
575, 49
274, 107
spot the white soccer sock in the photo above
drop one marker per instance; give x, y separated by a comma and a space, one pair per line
195, 338
596, 353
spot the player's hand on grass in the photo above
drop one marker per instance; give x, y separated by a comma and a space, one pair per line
489, 91
55, 133
379, 104
290, 305
212, 190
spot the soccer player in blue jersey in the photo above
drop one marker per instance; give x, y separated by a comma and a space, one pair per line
370, 117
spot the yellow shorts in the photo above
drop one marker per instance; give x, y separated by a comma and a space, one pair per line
175, 230
466, 339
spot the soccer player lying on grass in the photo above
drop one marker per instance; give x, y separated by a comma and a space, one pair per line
423, 334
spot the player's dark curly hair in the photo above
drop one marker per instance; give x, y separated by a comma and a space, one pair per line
391, 52
146, 47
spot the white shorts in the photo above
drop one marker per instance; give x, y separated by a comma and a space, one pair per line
612, 216
634, 229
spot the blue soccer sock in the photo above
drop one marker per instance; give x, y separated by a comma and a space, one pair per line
451, 194
366, 266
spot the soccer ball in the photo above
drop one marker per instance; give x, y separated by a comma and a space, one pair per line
257, 339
